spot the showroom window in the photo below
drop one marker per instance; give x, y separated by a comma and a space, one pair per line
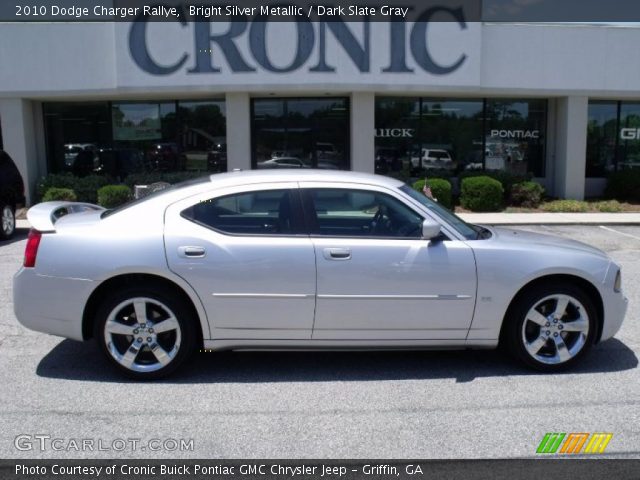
300, 133
120, 138
602, 138
75, 132
629, 143
442, 136
268, 212
203, 135
515, 134
360, 213
613, 137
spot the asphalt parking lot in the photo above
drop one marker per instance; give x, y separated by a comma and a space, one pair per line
469, 404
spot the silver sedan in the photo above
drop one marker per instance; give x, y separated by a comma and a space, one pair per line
306, 259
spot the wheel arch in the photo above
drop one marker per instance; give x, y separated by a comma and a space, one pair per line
136, 279
589, 288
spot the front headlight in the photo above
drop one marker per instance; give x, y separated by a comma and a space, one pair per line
617, 285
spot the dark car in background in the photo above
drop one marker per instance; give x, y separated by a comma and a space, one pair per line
120, 162
165, 157
81, 158
11, 195
388, 160
217, 158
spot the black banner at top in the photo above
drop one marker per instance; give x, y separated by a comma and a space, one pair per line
616, 11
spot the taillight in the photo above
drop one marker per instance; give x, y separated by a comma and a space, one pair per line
31, 251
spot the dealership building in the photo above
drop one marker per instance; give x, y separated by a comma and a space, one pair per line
560, 102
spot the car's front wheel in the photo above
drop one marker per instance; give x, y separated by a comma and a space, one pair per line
7, 221
551, 327
146, 334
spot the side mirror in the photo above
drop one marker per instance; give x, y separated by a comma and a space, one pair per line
430, 229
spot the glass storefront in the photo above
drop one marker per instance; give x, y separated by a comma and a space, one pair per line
119, 138
429, 135
613, 137
300, 133
601, 138
629, 147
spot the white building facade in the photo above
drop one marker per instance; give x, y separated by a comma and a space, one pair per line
560, 103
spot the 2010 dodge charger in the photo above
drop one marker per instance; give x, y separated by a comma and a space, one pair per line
306, 259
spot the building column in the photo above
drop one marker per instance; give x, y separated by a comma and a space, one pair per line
238, 110
363, 149
571, 147
19, 138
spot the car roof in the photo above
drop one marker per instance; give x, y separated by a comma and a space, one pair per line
252, 177
296, 174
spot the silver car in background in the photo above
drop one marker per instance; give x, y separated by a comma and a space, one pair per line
306, 259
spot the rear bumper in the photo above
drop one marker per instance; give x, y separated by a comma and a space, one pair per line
51, 305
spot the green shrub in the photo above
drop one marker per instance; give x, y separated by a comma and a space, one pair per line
440, 188
624, 186
574, 206
86, 188
59, 194
609, 206
481, 194
57, 180
506, 178
111, 196
527, 194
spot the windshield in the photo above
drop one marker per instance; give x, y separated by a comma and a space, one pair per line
462, 227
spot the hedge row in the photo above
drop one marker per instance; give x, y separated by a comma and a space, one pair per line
109, 196
86, 188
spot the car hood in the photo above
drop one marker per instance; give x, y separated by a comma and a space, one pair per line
531, 239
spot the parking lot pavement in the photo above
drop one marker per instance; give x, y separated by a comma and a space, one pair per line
319, 404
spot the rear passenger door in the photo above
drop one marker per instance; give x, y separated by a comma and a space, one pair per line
245, 252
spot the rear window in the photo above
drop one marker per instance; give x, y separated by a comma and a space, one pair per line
262, 212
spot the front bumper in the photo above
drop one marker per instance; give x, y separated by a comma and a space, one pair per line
51, 305
615, 305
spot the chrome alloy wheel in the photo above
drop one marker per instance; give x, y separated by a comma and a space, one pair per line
8, 221
555, 329
142, 334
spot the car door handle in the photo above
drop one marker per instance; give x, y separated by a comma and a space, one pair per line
337, 253
192, 252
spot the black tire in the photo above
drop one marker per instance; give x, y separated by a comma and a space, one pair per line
7, 221
520, 339
161, 304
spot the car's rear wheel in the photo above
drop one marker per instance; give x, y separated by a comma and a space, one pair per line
551, 327
7, 221
146, 334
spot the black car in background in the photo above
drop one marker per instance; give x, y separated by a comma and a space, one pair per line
118, 163
11, 195
165, 157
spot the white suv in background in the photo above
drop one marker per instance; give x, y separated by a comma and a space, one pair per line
432, 158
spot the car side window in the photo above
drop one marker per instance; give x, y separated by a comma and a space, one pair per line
264, 212
360, 213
